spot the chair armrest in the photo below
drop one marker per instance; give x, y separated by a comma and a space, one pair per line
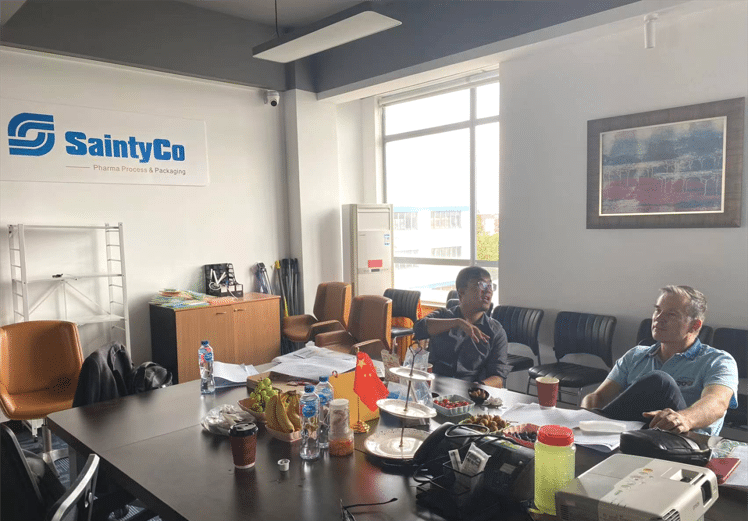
373, 348
331, 338
326, 326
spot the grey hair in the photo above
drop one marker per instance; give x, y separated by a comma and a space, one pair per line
697, 307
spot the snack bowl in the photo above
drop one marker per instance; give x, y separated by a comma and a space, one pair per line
478, 395
452, 411
245, 405
286, 437
523, 434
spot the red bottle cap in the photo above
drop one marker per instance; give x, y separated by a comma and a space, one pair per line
553, 435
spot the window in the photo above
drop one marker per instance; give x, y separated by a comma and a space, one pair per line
404, 220
453, 252
441, 158
446, 219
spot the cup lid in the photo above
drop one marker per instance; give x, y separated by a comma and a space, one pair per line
553, 435
243, 429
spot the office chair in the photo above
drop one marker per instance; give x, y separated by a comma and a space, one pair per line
734, 341
405, 304
30, 491
39, 366
452, 294
576, 332
521, 326
331, 312
645, 334
368, 328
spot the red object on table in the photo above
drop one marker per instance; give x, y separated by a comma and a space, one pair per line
367, 385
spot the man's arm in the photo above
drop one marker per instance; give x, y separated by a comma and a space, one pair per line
711, 406
606, 392
439, 326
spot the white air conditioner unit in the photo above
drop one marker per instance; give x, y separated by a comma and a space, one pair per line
370, 249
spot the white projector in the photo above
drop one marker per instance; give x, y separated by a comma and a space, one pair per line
629, 487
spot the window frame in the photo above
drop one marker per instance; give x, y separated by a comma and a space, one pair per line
471, 124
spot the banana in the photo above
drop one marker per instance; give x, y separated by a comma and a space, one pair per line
283, 418
270, 413
292, 410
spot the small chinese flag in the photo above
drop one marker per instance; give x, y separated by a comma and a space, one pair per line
367, 385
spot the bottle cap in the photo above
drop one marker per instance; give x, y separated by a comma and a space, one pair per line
283, 464
323, 378
308, 388
204, 343
243, 429
553, 435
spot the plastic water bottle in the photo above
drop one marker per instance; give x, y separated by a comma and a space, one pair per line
308, 407
554, 464
324, 391
205, 360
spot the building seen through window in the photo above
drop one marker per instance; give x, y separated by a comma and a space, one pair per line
436, 147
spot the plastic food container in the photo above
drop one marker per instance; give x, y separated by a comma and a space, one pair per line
452, 412
341, 435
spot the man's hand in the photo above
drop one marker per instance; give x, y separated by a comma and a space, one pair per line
474, 332
668, 420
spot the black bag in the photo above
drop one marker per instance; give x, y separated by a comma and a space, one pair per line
664, 445
149, 376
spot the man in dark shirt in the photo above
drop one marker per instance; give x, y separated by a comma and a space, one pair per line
464, 342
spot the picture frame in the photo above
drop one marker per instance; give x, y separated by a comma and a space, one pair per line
671, 168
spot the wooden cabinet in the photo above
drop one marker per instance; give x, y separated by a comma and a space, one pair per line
247, 331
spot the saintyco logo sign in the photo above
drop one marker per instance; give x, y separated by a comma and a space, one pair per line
79, 144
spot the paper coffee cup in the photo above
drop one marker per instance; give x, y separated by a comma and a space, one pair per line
548, 389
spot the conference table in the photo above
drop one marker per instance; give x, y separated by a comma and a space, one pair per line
154, 446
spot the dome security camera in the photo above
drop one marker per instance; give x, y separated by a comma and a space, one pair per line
272, 97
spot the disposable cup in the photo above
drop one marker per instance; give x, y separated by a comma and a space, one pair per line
243, 444
548, 389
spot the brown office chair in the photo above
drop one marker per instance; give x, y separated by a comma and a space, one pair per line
368, 328
39, 366
331, 312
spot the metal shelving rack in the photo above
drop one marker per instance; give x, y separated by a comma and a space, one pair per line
115, 274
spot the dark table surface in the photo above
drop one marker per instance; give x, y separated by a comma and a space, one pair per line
154, 445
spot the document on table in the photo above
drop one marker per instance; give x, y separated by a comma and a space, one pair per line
227, 375
535, 414
311, 362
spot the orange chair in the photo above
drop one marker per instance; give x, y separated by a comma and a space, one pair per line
368, 328
331, 312
39, 366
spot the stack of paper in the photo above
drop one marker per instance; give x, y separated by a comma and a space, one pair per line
535, 414
311, 362
227, 375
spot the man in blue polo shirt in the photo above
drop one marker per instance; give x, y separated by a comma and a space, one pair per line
678, 383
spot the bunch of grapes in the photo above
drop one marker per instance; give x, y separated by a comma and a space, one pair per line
259, 397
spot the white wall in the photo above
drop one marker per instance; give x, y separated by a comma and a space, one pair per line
170, 231
548, 259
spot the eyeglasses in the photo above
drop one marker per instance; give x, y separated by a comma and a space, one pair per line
484, 286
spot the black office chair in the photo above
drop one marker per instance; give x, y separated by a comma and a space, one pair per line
734, 341
521, 326
452, 294
645, 335
576, 332
31, 491
405, 304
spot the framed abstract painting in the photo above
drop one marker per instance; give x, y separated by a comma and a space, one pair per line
678, 167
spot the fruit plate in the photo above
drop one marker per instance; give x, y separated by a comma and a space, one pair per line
286, 437
245, 405
452, 412
523, 434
